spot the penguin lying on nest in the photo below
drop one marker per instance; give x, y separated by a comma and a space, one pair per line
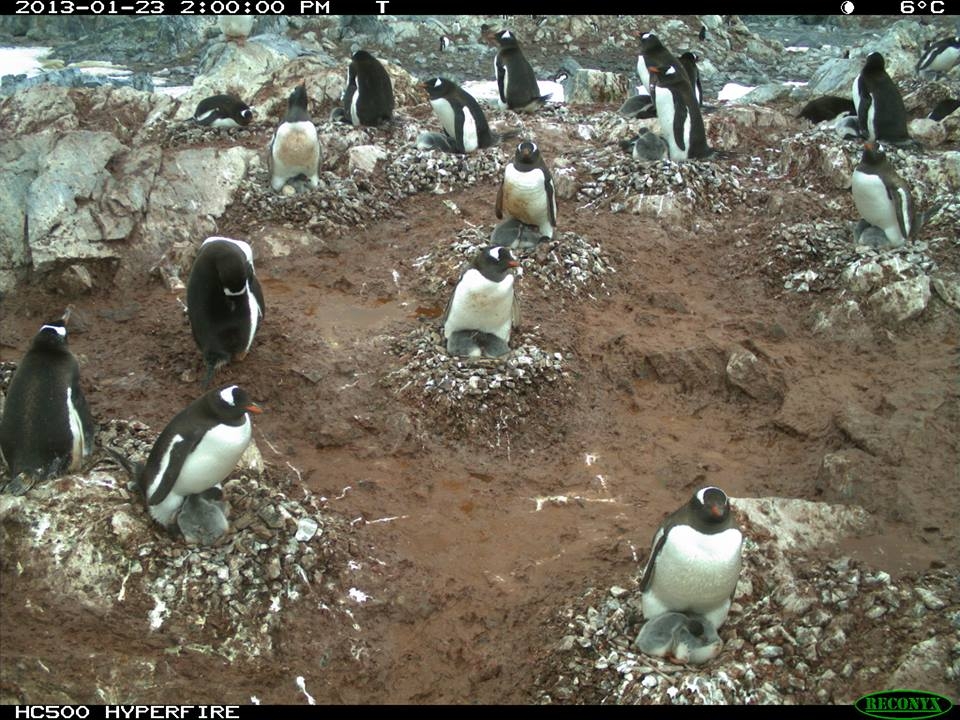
465, 128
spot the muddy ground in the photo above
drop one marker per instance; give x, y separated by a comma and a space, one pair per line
464, 559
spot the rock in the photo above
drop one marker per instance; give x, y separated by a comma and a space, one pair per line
947, 287
862, 277
764, 94
843, 321
802, 412
75, 280
565, 183
365, 157
835, 77
929, 599
755, 378
841, 475
723, 128
869, 432
251, 460
695, 367
929, 132
587, 87
901, 301
922, 666
801, 525
658, 206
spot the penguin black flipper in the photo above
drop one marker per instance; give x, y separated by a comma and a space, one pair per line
168, 463
501, 75
679, 119
651, 561
863, 108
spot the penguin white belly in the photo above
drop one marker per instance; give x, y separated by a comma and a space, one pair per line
695, 573
296, 151
871, 118
253, 308
644, 74
870, 197
665, 114
479, 304
945, 60
526, 199
213, 458
78, 449
855, 94
354, 115
224, 123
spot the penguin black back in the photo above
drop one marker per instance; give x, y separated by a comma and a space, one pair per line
688, 61
881, 113
223, 111
460, 114
47, 428
224, 301
368, 99
516, 81
297, 110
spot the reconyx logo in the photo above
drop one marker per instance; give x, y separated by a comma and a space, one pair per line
903, 705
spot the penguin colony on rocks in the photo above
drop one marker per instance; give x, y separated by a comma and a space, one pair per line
691, 574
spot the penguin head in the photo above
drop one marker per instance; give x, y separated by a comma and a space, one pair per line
874, 62
873, 154
710, 506
649, 41
561, 76
527, 152
246, 116
437, 87
505, 39
362, 56
495, 262
231, 403
298, 98
691, 56
51, 336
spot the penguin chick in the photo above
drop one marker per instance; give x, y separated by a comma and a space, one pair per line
684, 638
483, 308
695, 561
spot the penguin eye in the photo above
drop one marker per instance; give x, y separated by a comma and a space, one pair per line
247, 113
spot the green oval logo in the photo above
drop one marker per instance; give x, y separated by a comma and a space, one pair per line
903, 704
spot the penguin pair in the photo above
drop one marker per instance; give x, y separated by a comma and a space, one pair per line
223, 111
881, 114
295, 148
526, 192
642, 105
516, 81
678, 111
465, 127
197, 450
884, 199
368, 98
47, 428
695, 561
483, 308
224, 301
941, 56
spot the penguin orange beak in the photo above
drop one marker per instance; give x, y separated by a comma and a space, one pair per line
653, 69
254, 408
716, 511
513, 264
869, 146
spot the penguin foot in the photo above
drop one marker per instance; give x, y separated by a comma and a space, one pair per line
20, 485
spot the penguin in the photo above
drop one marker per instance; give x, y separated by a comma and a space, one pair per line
882, 197
826, 108
236, 27
224, 301
464, 124
47, 428
880, 110
223, 111
445, 43
526, 191
638, 107
688, 61
646, 147
654, 54
940, 56
679, 114
695, 561
294, 149
203, 517
196, 451
944, 108
683, 638
702, 35
368, 98
516, 80
483, 308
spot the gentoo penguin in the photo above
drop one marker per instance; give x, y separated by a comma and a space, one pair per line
295, 149
695, 561
683, 638
516, 80
638, 107
223, 111
654, 54
445, 43
483, 307
196, 451
526, 191
464, 124
882, 197
46, 428
880, 110
203, 517
826, 108
941, 56
646, 147
236, 27
944, 108
224, 301
368, 98
680, 120
688, 61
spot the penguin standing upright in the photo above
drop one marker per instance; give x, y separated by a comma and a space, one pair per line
941, 56
654, 54
224, 301
295, 148
688, 61
516, 80
464, 124
695, 561
679, 114
46, 428
881, 113
526, 191
882, 197
483, 308
196, 451
223, 111
368, 97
